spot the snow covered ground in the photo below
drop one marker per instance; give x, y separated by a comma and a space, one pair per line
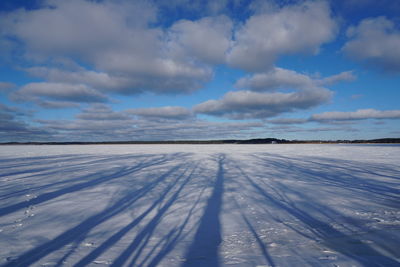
200, 205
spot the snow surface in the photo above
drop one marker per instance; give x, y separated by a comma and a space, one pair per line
200, 205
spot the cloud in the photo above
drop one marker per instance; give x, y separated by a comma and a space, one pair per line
341, 118
80, 27
101, 123
251, 105
99, 80
117, 41
279, 78
346, 76
124, 49
206, 39
57, 104
101, 112
361, 114
293, 129
58, 91
168, 112
274, 79
375, 41
98, 120
291, 29
266, 96
14, 128
125, 84
287, 121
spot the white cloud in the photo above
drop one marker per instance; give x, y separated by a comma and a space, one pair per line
302, 92
115, 39
250, 105
375, 41
278, 78
168, 112
123, 52
300, 28
58, 91
360, 114
206, 39
346, 76
81, 27
101, 81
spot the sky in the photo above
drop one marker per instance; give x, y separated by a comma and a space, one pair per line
114, 70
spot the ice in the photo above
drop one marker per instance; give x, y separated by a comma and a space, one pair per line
200, 205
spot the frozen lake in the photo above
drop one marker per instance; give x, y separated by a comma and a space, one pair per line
200, 205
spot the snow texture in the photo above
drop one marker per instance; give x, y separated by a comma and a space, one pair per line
200, 205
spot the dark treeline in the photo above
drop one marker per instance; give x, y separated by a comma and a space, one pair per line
229, 141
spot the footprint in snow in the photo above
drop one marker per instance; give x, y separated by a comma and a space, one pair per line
88, 244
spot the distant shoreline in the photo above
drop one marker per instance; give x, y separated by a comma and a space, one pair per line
210, 142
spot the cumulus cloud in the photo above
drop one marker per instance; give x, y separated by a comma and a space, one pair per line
100, 80
125, 53
375, 41
361, 114
78, 27
206, 39
250, 105
58, 91
117, 39
278, 78
290, 29
168, 112
266, 97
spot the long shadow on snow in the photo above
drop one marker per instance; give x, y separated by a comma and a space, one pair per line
204, 249
122, 232
170, 240
385, 241
348, 175
324, 231
102, 177
87, 225
253, 231
12, 163
143, 237
70, 165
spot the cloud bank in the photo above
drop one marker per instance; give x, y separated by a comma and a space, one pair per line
360, 114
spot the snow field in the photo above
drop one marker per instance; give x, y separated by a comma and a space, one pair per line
200, 205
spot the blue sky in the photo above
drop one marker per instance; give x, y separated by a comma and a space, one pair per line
113, 70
